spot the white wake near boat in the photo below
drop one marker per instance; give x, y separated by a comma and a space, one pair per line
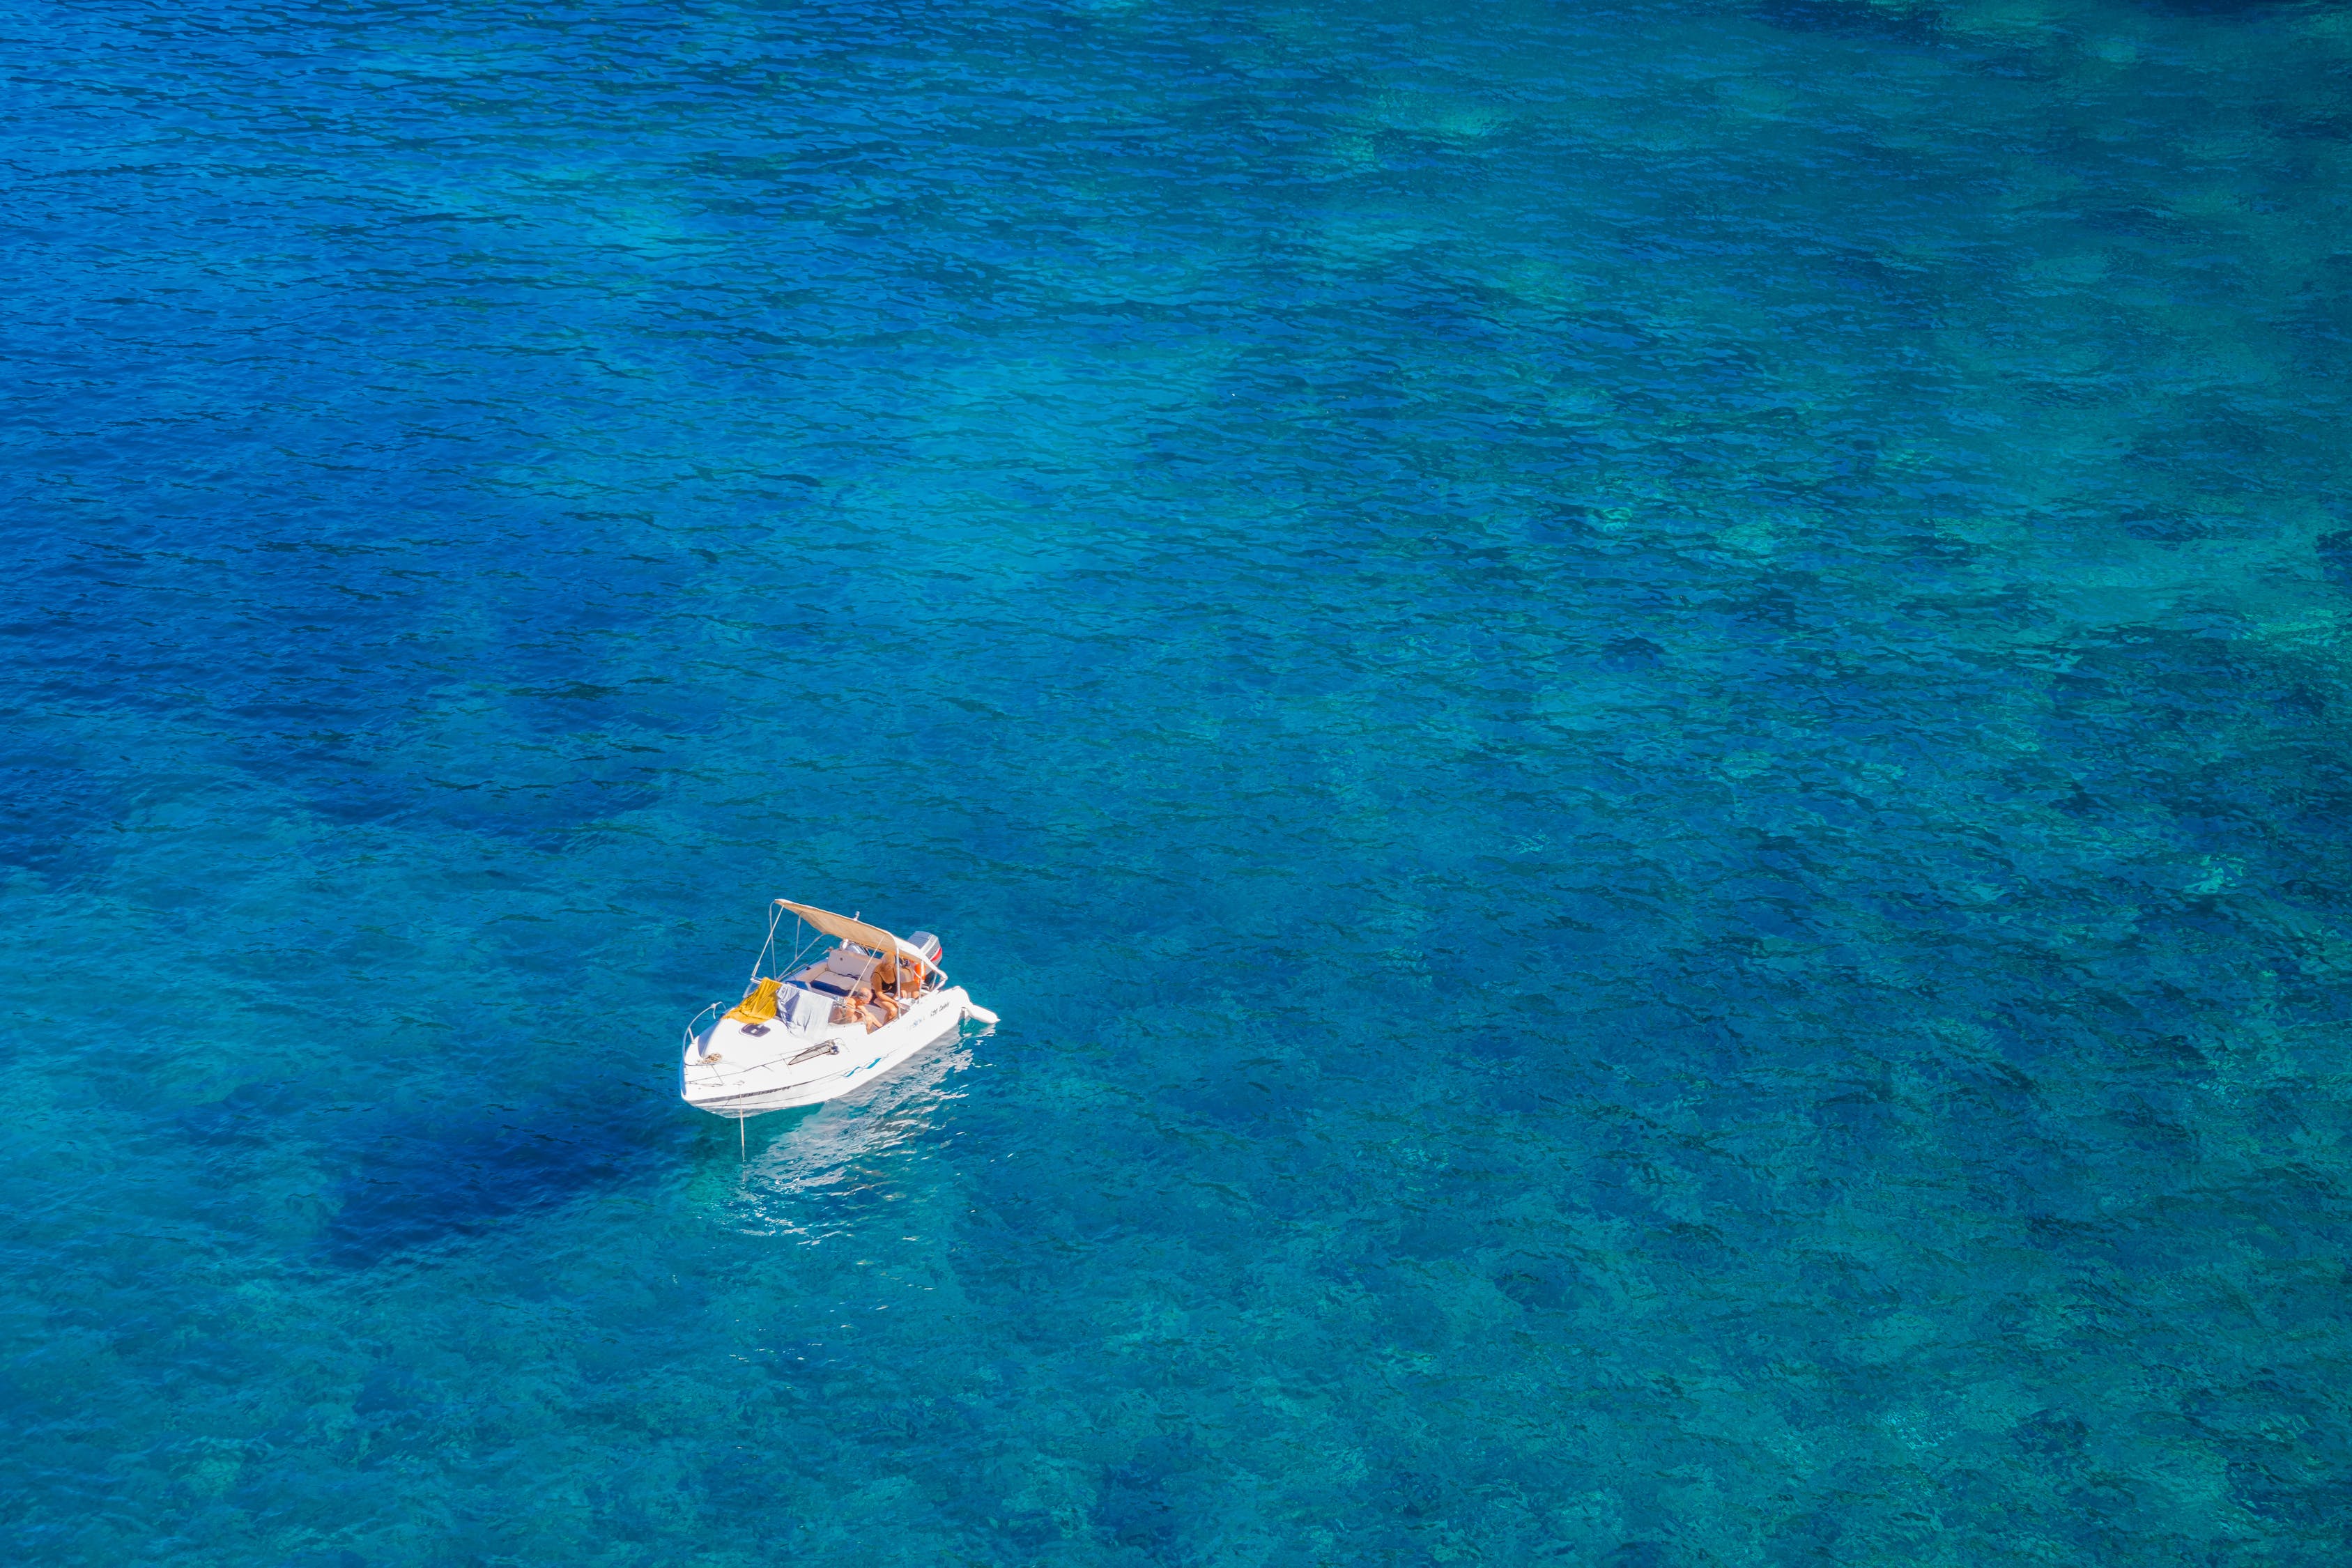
823, 1027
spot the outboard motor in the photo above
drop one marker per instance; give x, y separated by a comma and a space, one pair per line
926, 945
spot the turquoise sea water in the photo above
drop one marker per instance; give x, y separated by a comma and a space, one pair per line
1639, 710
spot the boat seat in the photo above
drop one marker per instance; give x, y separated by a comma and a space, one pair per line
833, 965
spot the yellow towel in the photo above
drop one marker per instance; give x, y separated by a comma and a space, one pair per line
760, 1007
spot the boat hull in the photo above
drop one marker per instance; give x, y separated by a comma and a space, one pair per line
729, 1072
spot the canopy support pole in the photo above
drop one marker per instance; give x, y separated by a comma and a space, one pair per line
775, 914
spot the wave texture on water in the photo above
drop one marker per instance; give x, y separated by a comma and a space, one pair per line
1639, 710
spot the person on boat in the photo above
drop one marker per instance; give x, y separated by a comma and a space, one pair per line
863, 1006
898, 977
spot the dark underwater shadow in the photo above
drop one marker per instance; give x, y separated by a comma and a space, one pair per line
418, 1183
408, 1182
54, 817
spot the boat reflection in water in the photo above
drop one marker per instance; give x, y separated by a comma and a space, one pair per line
829, 1167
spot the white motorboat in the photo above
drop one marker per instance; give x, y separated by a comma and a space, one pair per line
821, 1029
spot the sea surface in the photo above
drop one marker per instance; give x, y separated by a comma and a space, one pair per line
1640, 709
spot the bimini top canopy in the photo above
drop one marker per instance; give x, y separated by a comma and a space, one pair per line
848, 929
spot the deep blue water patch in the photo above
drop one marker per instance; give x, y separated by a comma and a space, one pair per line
1639, 708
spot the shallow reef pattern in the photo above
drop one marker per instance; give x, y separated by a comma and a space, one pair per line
1639, 708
